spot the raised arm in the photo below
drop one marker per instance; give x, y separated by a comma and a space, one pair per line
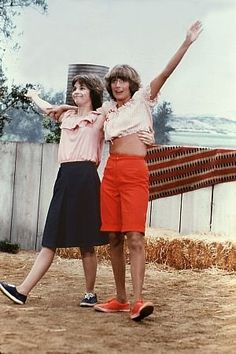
42, 104
192, 34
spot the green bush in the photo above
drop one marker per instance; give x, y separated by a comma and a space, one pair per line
7, 246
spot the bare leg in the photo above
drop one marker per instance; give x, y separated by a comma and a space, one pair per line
137, 260
118, 264
89, 260
40, 267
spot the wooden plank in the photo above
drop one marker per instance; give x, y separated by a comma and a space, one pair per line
166, 213
7, 172
196, 211
26, 194
50, 168
224, 209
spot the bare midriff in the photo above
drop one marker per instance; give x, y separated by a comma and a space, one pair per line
128, 145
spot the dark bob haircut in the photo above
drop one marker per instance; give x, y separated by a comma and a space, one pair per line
126, 73
95, 86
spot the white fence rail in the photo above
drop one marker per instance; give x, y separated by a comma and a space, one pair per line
27, 176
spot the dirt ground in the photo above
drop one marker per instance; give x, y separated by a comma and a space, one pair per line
195, 312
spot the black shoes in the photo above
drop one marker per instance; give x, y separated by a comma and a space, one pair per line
11, 292
89, 300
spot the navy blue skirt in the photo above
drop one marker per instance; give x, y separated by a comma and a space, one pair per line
73, 218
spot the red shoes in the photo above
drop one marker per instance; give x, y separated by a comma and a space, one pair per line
113, 305
141, 310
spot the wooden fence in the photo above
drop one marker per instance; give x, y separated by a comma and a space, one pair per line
27, 176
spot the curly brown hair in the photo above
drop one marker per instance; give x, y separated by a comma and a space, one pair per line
95, 86
126, 73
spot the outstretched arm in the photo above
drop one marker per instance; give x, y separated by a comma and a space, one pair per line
192, 34
42, 104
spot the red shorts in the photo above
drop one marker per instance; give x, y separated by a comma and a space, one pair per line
124, 194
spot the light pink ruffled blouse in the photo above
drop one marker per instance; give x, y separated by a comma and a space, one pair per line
81, 137
132, 117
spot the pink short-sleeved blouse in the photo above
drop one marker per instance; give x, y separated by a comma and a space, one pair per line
81, 137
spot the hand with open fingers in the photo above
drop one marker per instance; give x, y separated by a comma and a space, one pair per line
146, 137
31, 93
194, 31
55, 112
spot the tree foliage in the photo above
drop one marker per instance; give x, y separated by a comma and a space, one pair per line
12, 97
52, 130
11, 8
30, 124
23, 126
161, 117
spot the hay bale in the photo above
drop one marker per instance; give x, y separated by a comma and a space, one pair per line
74, 252
199, 251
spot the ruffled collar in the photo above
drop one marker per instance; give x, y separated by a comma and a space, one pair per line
71, 120
114, 107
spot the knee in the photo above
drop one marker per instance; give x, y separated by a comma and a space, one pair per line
87, 252
116, 240
135, 242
